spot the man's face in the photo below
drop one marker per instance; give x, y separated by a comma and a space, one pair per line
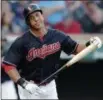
36, 20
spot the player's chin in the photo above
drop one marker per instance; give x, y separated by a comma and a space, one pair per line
37, 28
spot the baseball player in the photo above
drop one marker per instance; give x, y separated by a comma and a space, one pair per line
35, 55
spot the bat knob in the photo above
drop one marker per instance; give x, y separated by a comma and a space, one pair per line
97, 41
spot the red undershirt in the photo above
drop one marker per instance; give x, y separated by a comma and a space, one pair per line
7, 67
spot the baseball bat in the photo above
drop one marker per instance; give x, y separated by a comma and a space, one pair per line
75, 59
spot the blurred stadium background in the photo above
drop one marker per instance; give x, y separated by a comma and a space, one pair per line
79, 19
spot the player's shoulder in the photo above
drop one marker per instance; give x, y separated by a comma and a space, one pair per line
25, 35
57, 32
54, 30
21, 39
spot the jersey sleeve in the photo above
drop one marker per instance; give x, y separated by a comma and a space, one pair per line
14, 54
69, 45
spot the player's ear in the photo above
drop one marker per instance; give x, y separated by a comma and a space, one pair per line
28, 21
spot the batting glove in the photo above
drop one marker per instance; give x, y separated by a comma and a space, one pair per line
29, 86
97, 41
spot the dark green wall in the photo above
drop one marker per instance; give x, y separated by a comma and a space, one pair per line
82, 81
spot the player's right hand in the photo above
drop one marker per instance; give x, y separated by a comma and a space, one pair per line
29, 86
32, 88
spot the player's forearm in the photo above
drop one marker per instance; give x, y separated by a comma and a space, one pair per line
94, 40
14, 74
79, 48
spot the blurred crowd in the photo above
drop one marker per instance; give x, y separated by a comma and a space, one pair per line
84, 15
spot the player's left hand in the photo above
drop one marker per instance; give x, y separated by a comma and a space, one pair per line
97, 41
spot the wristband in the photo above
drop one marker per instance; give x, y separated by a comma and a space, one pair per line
22, 82
87, 43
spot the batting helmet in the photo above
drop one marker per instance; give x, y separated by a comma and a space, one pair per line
30, 9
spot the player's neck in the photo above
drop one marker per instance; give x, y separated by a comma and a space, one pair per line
39, 33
